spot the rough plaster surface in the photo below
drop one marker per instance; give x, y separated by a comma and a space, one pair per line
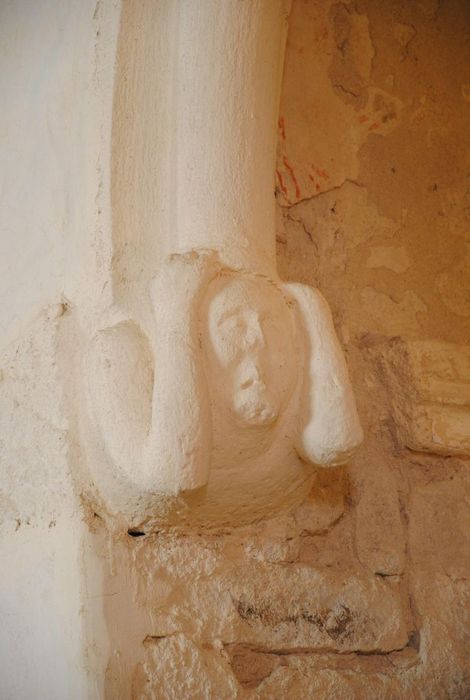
362, 590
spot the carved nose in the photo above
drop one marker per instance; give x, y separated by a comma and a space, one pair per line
249, 381
254, 334
252, 375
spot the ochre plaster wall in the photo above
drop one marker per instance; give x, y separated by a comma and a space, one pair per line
362, 591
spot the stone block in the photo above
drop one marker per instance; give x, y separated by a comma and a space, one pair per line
429, 389
300, 607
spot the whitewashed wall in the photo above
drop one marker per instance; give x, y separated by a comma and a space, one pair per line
56, 77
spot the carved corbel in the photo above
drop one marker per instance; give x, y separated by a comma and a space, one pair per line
217, 411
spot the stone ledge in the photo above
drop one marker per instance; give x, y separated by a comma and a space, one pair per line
429, 388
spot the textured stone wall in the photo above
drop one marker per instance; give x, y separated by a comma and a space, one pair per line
362, 591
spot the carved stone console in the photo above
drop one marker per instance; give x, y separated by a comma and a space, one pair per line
220, 414
212, 387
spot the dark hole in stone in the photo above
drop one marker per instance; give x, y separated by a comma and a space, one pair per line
414, 640
136, 533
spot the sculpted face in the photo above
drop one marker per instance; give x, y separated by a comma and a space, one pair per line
250, 388
251, 348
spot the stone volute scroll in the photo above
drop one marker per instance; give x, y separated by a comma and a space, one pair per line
216, 406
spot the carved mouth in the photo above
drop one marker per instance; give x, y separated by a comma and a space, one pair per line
252, 405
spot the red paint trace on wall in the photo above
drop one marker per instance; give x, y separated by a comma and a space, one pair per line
322, 173
282, 185
292, 174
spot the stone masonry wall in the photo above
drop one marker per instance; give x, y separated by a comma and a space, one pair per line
362, 591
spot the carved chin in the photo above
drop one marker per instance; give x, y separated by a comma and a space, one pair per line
253, 409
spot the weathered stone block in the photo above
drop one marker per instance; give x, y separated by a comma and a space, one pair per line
429, 389
303, 607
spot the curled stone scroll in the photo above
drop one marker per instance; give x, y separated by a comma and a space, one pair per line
215, 410
219, 415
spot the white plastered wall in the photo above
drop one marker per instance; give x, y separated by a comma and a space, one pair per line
56, 82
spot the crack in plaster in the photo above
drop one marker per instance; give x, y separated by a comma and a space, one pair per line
316, 195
